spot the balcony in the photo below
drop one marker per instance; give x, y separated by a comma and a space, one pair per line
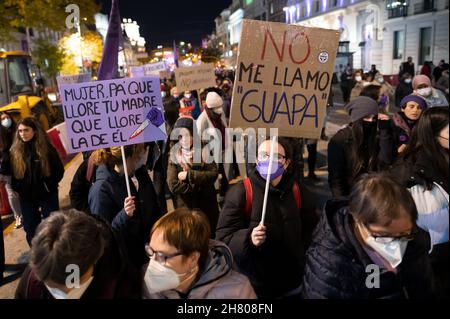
424, 6
397, 12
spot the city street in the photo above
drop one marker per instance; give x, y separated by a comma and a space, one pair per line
16, 247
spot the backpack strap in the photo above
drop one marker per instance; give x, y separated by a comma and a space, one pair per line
297, 197
248, 197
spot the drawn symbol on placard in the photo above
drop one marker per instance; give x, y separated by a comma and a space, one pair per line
323, 57
154, 117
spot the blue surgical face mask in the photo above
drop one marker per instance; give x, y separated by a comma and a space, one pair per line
263, 168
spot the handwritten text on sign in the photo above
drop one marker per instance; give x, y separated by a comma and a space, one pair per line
195, 77
283, 78
113, 113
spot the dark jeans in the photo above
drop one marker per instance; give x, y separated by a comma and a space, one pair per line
32, 216
312, 157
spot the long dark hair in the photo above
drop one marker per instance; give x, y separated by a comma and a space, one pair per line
358, 150
424, 141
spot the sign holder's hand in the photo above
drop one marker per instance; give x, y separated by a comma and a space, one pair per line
129, 206
258, 235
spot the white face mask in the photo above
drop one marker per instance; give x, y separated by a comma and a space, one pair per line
160, 278
218, 110
163, 94
188, 96
424, 92
6, 123
392, 252
358, 78
74, 293
407, 81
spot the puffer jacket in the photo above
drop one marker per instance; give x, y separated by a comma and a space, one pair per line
217, 280
276, 267
337, 264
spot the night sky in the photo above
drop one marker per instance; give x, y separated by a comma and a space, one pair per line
163, 21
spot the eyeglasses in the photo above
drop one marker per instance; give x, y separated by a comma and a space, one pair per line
390, 239
264, 156
159, 256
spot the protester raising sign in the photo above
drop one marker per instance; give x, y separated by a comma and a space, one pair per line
152, 69
283, 78
195, 77
70, 79
113, 113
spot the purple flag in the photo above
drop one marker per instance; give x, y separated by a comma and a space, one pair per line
175, 53
110, 58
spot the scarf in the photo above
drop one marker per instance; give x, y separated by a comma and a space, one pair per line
184, 157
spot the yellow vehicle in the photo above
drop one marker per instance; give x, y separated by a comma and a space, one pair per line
17, 93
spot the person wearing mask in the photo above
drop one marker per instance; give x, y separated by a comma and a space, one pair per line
403, 89
423, 169
96, 253
404, 121
422, 87
190, 102
257, 248
212, 122
346, 84
36, 171
190, 178
359, 80
365, 145
407, 67
7, 131
388, 92
369, 247
133, 216
186, 264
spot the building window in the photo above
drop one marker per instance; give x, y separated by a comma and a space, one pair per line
271, 8
317, 7
425, 45
335, 3
248, 2
424, 6
399, 44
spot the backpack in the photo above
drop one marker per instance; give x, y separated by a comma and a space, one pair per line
249, 196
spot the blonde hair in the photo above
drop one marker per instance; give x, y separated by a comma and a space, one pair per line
41, 142
113, 156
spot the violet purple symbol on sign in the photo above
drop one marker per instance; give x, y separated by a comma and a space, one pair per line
154, 116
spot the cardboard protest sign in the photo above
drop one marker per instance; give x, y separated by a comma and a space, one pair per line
69, 79
152, 69
283, 78
195, 77
113, 113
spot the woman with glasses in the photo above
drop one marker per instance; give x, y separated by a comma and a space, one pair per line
186, 264
369, 247
271, 255
364, 146
423, 168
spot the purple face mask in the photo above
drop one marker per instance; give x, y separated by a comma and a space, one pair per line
263, 168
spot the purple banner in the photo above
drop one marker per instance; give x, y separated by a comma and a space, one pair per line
113, 113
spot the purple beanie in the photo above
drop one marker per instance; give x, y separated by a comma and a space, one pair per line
414, 98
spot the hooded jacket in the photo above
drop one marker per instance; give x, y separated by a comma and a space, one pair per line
337, 266
217, 280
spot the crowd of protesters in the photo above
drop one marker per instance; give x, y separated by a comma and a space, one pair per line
388, 175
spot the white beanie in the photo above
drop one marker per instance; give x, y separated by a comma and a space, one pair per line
213, 100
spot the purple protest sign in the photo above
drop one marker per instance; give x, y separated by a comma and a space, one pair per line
113, 113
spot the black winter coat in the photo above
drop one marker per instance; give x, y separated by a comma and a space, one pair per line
276, 267
336, 263
341, 164
114, 276
197, 191
106, 199
81, 184
35, 186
